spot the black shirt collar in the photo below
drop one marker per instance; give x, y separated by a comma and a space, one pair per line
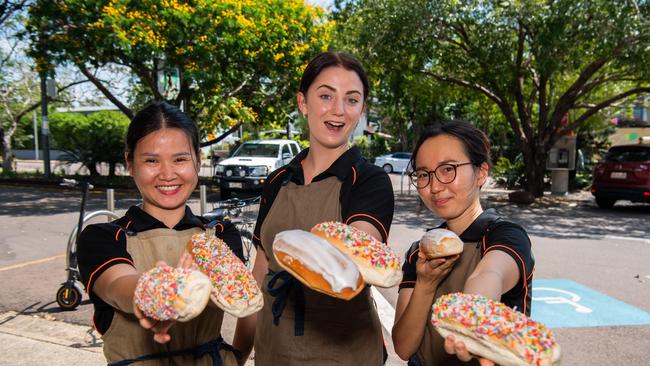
477, 229
142, 221
340, 168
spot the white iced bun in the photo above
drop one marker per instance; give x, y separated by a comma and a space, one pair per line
317, 264
439, 243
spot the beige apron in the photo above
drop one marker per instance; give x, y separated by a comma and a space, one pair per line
431, 351
336, 332
126, 339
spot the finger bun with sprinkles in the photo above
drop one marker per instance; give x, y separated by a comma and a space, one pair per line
492, 330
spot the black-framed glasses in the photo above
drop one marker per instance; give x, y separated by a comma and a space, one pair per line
444, 173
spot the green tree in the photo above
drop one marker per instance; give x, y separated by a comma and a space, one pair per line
96, 138
19, 83
537, 61
238, 61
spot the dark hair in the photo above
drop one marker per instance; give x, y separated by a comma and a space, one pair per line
155, 116
328, 59
475, 142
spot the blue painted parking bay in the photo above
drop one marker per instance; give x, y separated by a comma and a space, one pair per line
561, 303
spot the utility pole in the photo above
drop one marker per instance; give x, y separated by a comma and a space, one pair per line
45, 126
35, 135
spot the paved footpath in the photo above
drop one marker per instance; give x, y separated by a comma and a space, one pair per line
605, 250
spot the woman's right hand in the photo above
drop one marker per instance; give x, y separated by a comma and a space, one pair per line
430, 272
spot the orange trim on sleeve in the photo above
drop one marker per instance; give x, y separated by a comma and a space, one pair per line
523, 266
117, 233
406, 282
368, 216
277, 175
222, 228
128, 224
354, 177
90, 280
410, 256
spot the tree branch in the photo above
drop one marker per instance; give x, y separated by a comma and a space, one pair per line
127, 111
524, 115
604, 104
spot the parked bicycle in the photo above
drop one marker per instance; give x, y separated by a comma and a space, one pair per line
70, 294
242, 213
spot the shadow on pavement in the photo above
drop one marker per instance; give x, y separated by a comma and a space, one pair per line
39, 201
551, 218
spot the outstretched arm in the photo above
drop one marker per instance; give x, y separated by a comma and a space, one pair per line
495, 275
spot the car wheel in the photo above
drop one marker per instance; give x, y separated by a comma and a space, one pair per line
603, 202
388, 168
225, 193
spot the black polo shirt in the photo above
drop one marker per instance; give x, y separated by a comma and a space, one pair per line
366, 191
104, 245
499, 234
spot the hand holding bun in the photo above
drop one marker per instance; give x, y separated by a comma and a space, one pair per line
438, 243
317, 264
168, 293
233, 287
492, 330
377, 263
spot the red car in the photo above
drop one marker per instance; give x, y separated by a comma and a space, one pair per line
624, 174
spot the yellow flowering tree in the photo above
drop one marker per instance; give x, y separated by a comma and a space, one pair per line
237, 61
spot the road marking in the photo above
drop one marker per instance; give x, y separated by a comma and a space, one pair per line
562, 303
37, 261
385, 310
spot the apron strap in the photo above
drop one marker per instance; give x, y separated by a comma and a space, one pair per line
199, 351
281, 294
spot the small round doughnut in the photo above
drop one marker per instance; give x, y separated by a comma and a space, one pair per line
168, 293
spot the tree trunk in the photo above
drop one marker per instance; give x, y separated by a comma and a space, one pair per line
7, 156
7, 159
92, 168
111, 168
534, 169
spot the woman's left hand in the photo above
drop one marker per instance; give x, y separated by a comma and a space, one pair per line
458, 348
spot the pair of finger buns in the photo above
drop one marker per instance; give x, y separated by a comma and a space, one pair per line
233, 287
317, 264
492, 330
168, 293
438, 243
336, 259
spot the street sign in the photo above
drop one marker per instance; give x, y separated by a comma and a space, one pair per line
169, 81
562, 303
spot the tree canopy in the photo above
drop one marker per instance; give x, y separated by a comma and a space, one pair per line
91, 139
237, 61
538, 61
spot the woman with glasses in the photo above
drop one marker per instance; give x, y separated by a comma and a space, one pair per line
451, 163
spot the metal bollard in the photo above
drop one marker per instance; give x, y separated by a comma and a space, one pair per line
203, 196
110, 201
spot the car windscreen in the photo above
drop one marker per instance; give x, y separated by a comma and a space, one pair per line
628, 155
260, 150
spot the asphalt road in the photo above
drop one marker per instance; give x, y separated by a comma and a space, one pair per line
606, 250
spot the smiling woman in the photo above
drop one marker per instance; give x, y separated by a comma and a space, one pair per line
162, 156
329, 181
